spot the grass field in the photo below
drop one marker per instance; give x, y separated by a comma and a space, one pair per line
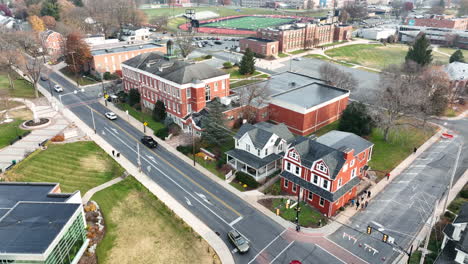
83, 80
76, 166
10, 131
376, 55
142, 117
250, 23
309, 217
450, 51
22, 88
141, 229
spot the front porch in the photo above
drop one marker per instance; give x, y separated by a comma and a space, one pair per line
258, 168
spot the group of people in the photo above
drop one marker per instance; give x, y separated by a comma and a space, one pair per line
361, 201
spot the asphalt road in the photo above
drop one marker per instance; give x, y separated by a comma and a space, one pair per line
211, 203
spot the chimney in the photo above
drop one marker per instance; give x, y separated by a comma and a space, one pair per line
348, 153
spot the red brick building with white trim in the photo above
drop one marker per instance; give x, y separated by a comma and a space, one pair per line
326, 171
184, 87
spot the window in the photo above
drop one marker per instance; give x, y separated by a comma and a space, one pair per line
280, 147
352, 163
321, 167
325, 184
293, 155
189, 108
370, 154
237, 142
207, 93
345, 167
322, 201
340, 181
310, 196
353, 173
294, 187
189, 93
247, 147
266, 152
288, 166
315, 179
216, 86
297, 170
286, 183
258, 152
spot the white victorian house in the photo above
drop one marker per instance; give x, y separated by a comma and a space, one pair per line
455, 243
259, 149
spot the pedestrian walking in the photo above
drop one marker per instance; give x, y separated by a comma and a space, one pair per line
352, 202
113, 152
362, 206
388, 176
357, 205
368, 194
118, 154
415, 149
366, 204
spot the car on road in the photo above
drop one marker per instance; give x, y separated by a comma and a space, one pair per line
58, 88
218, 42
44, 78
297, 59
111, 115
239, 241
149, 142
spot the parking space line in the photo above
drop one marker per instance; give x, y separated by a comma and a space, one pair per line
284, 249
269, 244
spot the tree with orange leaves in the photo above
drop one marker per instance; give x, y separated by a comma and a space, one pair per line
77, 53
49, 21
36, 23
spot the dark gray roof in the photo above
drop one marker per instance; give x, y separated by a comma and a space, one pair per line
340, 140
448, 254
260, 133
12, 193
124, 48
462, 215
448, 230
320, 191
252, 160
174, 70
31, 227
311, 151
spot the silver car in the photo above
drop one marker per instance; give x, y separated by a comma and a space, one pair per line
111, 115
239, 241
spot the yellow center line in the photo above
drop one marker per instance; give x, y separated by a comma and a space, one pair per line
177, 169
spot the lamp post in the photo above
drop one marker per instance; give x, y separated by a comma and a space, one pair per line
193, 143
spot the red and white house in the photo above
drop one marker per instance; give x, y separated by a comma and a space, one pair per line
326, 171
184, 87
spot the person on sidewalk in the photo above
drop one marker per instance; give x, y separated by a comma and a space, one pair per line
118, 154
366, 204
414, 150
388, 176
368, 194
113, 153
357, 204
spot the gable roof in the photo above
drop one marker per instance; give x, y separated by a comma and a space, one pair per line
341, 140
311, 151
177, 71
261, 132
462, 215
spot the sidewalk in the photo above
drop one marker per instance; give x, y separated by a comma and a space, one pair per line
20, 149
96, 189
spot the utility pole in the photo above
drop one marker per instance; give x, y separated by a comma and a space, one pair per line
298, 208
193, 143
94, 123
426, 243
452, 176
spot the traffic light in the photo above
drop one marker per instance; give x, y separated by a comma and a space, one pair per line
385, 238
369, 230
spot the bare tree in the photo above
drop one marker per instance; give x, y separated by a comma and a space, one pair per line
338, 78
356, 11
159, 22
8, 56
184, 43
253, 97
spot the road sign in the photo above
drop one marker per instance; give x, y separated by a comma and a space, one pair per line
106, 96
145, 123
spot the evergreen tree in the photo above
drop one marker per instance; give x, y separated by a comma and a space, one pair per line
457, 56
247, 64
51, 8
159, 111
420, 52
133, 97
214, 132
356, 119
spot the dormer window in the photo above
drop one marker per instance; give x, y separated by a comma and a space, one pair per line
321, 167
293, 155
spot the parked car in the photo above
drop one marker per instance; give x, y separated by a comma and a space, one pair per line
111, 115
218, 42
58, 88
164, 32
297, 59
239, 241
149, 142
44, 78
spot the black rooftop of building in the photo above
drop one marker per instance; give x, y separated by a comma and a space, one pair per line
12, 193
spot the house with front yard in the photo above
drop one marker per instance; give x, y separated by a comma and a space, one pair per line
455, 243
326, 171
39, 224
259, 149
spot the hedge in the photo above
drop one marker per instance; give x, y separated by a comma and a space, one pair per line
162, 133
247, 179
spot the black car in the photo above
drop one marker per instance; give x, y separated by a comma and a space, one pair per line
218, 42
149, 142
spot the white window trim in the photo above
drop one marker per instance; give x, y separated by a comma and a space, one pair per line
353, 173
286, 183
320, 202
310, 196
369, 155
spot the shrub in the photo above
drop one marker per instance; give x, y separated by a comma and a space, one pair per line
247, 179
174, 129
275, 189
225, 169
207, 57
58, 138
227, 65
162, 133
137, 106
185, 149
464, 194
260, 56
107, 76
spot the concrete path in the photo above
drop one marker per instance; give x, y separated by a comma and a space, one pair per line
96, 189
20, 149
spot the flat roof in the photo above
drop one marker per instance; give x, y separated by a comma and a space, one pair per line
12, 193
124, 48
31, 227
260, 39
285, 81
310, 95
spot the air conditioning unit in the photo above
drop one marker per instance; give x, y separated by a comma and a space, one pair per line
225, 100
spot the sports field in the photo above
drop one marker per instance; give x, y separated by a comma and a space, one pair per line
249, 22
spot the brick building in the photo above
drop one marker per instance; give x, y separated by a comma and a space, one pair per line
264, 47
185, 88
436, 21
305, 35
325, 172
53, 42
303, 103
110, 59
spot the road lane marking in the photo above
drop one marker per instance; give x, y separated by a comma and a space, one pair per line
284, 249
187, 200
171, 165
203, 197
235, 221
169, 178
269, 244
152, 159
331, 253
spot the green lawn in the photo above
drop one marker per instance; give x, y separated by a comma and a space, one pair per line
450, 51
282, 55
241, 83
142, 117
235, 74
139, 228
76, 166
415, 257
22, 88
376, 56
308, 217
298, 51
333, 43
82, 80
10, 131
250, 22
209, 165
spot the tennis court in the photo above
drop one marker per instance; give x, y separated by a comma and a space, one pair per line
249, 22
